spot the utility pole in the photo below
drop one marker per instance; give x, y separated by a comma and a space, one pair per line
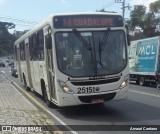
123, 6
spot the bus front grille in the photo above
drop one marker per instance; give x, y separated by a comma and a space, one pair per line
95, 82
88, 99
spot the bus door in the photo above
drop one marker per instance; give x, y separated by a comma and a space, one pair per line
34, 63
19, 64
49, 63
28, 74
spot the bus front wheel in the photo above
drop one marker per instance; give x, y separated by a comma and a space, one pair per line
48, 102
45, 96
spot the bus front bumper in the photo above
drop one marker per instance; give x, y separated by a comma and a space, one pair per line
80, 99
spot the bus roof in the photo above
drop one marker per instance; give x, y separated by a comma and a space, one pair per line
48, 20
84, 13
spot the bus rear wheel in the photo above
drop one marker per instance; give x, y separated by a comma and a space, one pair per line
25, 83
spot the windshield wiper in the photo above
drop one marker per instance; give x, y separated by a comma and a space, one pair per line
103, 43
84, 42
104, 40
86, 45
82, 39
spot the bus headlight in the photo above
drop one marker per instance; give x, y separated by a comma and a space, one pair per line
64, 87
124, 82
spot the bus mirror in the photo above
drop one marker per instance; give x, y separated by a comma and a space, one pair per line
128, 36
128, 39
48, 42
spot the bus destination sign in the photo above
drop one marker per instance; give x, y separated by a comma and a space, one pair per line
88, 21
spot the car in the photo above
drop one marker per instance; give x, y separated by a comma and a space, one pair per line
14, 70
7, 60
11, 62
2, 64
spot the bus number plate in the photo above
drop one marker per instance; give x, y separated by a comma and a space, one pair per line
84, 90
97, 101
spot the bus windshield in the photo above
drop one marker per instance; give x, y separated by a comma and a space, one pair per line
93, 53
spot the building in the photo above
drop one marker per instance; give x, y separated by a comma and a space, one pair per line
18, 34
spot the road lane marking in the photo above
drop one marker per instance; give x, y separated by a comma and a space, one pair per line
41, 106
158, 96
3, 72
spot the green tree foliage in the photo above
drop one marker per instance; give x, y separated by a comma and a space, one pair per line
6, 25
6, 39
149, 24
137, 16
147, 21
154, 7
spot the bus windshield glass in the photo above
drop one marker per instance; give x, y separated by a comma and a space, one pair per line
92, 53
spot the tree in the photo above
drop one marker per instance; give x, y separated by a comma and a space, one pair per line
154, 7
149, 24
6, 25
137, 16
6, 39
147, 21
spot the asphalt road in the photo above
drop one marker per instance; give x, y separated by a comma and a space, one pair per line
141, 108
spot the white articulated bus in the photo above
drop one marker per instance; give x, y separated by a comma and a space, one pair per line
73, 59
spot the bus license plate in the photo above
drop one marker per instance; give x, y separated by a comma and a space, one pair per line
96, 101
87, 90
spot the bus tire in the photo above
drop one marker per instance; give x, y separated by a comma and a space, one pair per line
25, 83
141, 81
45, 95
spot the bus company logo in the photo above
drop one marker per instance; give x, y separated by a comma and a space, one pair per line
6, 128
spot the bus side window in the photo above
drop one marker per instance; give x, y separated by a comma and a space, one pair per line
30, 48
48, 40
40, 44
33, 48
22, 51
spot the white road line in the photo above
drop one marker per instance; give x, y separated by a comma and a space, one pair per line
3, 72
158, 96
54, 116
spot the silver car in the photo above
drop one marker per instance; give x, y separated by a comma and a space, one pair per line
14, 70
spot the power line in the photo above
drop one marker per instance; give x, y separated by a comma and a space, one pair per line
20, 19
19, 23
13, 19
109, 5
106, 6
